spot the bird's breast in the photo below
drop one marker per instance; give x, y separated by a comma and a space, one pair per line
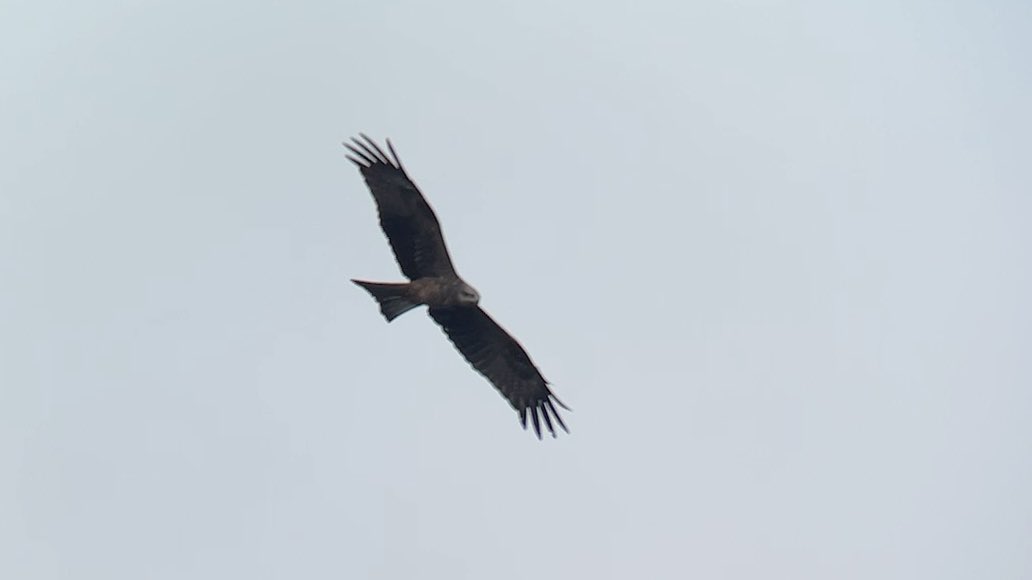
434, 292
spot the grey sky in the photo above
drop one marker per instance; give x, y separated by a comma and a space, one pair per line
775, 255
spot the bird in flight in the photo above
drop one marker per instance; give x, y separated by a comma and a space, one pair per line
415, 236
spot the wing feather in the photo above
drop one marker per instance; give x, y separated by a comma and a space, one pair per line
494, 353
405, 217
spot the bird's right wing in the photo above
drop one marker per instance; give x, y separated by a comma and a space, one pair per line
405, 216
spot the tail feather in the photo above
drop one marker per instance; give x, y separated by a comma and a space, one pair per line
392, 299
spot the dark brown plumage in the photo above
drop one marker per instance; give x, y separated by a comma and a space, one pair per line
415, 236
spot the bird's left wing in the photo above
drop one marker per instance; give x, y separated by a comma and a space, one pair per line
495, 354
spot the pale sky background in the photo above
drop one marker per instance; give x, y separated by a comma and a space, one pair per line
775, 255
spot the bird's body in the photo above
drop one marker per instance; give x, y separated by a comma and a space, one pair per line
415, 236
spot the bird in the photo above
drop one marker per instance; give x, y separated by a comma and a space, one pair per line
414, 234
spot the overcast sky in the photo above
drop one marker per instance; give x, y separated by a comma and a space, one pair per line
775, 255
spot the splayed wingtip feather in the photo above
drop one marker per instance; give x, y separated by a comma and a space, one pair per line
373, 157
548, 421
397, 160
366, 158
382, 155
537, 421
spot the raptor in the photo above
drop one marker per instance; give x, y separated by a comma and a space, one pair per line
415, 236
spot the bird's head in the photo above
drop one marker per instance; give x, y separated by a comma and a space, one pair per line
468, 295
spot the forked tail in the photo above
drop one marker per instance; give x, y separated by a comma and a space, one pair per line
392, 299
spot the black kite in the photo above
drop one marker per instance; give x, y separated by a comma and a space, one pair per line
415, 236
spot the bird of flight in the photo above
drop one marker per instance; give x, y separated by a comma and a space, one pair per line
415, 236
